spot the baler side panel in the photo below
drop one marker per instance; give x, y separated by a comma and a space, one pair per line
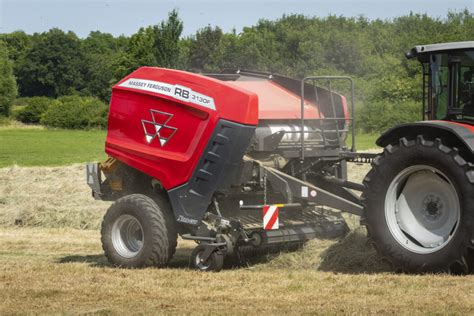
217, 169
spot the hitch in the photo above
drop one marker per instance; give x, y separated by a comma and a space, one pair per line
292, 187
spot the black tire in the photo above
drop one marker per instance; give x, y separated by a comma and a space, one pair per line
453, 253
136, 217
213, 263
165, 206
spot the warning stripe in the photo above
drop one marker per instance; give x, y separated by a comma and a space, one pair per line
270, 217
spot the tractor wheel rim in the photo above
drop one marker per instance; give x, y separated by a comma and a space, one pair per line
422, 209
127, 236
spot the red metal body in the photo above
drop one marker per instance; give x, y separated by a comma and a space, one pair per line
188, 129
160, 120
277, 103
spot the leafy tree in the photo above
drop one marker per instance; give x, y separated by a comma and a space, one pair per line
75, 112
203, 47
227, 54
157, 45
139, 52
100, 51
31, 109
259, 49
53, 66
380, 115
371, 51
166, 43
18, 44
184, 54
8, 89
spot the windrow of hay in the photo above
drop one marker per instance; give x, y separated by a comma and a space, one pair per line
352, 254
48, 197
60, 197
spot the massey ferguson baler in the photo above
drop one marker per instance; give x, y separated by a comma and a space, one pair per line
238, 162
245, 162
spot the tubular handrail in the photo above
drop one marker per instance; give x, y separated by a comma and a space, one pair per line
352, 114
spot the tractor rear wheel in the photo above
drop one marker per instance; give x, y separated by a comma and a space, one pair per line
418, 206
135, 233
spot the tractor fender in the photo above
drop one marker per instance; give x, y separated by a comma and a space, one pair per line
455, 134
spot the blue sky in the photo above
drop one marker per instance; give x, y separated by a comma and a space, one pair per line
127, 16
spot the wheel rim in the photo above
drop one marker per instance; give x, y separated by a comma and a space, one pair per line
422, 209
127, 236
200, 264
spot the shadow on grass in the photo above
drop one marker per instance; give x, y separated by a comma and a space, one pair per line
91, 260
351, 255
180, 259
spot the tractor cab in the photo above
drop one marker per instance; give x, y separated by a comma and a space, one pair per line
448, 85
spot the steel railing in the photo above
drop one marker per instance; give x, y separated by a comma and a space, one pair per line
335, 118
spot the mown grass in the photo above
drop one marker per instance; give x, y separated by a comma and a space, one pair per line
63, 271
43, 147
35, 146
366, 141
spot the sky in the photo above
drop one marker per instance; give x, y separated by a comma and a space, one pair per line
127, 16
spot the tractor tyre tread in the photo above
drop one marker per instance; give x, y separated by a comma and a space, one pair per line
454, 260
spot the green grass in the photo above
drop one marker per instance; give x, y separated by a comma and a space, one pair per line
365, 141
34, 146
43, 147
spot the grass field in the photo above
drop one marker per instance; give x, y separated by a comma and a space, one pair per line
43, 147
63, 271
49, 266
53, 262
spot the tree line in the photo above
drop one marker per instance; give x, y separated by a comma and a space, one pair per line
56, 63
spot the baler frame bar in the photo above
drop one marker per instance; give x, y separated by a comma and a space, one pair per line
337, 195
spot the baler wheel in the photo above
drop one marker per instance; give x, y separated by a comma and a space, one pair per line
164, 205
213, 263
418, 206
135, 233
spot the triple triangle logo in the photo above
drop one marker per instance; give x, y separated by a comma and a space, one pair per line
157, 128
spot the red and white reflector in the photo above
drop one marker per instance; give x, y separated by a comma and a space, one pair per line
270, 217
